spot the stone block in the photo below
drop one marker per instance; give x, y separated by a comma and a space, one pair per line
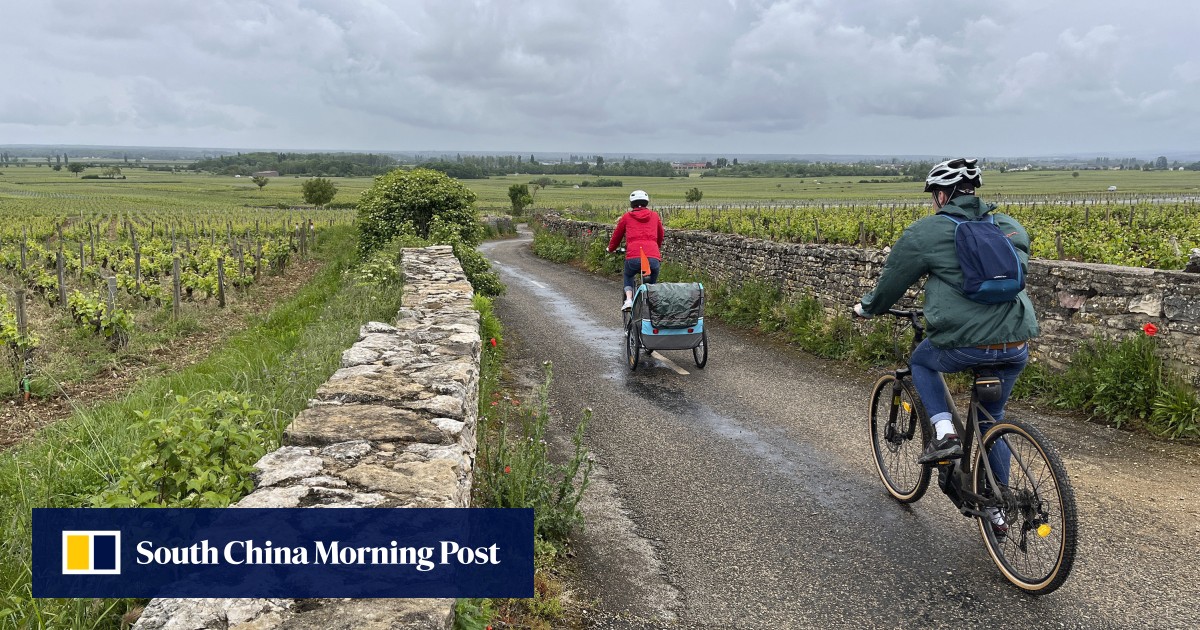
331, 423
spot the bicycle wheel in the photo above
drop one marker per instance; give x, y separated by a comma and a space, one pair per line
633, 344
1037, 550
898, 434
700, 352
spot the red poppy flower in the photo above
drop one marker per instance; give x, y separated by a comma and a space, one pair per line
516, 402
493, 403
1150, 329
493, 342
507, 469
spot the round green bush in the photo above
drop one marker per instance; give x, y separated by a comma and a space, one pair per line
421, 202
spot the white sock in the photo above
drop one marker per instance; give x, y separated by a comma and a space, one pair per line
942, 425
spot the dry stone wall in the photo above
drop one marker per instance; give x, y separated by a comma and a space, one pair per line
394, 427
1074, 300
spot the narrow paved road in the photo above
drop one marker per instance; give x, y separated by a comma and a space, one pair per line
743, 495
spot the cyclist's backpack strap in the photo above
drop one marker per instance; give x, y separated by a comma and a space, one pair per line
991, 269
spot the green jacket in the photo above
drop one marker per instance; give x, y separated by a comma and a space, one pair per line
926, 248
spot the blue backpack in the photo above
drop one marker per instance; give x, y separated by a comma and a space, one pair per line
991, 270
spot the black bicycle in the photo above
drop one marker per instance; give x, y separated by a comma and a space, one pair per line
1028, 522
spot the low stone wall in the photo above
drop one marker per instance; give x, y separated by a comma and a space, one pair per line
394, 427
1073, 300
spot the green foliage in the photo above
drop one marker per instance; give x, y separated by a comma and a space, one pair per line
1117, 380
410, 201
520, 197
489, 324
693, 195
601, 182
1176, 410
261, 181
879, 345
751, 304
555, 248
483, 280
200, 453
318, 164
597, 259
514, 470
473, 614
497, 227
318, 191
380, 270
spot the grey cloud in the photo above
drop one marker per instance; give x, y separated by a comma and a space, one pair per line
488, 74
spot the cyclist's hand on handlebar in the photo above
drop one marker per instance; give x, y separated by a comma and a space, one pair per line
859, 312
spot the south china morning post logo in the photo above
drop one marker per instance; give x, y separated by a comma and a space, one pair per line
282, 552
334, 552
91, 552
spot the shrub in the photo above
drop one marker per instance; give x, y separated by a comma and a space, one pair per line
411, 201
479, 271
598, 260
554, 248
200, 454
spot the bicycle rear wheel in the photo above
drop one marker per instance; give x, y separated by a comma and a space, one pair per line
897, 428
1036, 548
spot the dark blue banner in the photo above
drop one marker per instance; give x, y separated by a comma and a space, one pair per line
285, 553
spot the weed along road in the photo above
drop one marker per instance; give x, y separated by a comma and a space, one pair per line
743, 495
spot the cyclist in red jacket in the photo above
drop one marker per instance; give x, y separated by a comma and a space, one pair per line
642, 229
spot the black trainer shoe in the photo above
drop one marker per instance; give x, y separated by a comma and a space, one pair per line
949, 447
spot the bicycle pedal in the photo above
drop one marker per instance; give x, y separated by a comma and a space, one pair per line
944, 462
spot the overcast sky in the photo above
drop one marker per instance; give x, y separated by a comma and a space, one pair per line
713, 77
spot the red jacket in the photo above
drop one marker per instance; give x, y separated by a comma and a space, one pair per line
643, 231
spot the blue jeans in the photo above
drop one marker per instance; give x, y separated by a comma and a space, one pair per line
927, 360
633, 266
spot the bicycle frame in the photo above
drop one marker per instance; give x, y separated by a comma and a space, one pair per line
958, 471
962, 469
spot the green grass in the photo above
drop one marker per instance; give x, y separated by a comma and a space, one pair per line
280, 359
46, 191
493, 192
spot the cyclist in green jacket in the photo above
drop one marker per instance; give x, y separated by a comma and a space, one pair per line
961, 333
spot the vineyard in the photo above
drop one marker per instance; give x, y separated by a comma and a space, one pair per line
103, 282
108, 273
1157, 234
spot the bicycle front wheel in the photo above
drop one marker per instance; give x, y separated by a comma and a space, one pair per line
898, 434
1034, 547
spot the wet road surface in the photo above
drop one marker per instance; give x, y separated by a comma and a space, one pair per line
743, 495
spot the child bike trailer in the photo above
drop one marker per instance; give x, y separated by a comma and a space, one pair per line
667, 316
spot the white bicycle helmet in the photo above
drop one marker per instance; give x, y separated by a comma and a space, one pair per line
639, 195
951, 172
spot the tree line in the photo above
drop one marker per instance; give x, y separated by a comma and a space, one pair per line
305, 164
484, 166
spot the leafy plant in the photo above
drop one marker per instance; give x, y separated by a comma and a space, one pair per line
200, 453
514, 470
1176, 410
555, 248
